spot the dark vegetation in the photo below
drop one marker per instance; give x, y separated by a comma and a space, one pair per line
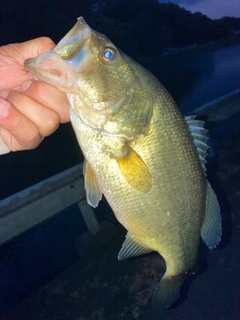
142, 27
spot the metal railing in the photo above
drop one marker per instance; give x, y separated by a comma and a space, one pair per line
29, 207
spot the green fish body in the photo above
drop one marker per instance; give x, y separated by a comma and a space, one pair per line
140, 152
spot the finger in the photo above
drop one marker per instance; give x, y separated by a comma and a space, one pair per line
32, 48
16, 53
44, 118
17, 131
48, 96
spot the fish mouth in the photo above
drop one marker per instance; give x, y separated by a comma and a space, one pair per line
44, 68
79, 31
58, 65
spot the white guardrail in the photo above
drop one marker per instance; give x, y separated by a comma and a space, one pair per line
29, 207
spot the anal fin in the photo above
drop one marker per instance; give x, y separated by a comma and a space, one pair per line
93, 193
131, 248
167, 292
212, 227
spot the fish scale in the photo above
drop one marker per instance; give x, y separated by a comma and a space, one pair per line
140, 152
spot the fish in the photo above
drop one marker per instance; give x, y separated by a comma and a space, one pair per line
140, 152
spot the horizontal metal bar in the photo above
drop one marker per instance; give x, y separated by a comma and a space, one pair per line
35, 204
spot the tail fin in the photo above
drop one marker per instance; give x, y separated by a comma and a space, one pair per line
167, 292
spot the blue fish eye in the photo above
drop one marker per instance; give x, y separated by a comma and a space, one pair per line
109, 54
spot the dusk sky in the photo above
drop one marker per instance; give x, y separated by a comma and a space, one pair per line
214, 9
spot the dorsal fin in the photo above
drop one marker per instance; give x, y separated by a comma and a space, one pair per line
199, 134
131, 248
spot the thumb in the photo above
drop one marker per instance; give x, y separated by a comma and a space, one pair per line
34, 47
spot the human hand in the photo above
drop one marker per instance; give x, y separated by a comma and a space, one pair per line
29, 110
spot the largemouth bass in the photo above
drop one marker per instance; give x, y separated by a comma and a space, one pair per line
140, 152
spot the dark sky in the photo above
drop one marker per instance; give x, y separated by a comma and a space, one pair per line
214, 9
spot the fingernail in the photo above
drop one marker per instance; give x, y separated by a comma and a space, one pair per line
4, 108
26, 85
4, 93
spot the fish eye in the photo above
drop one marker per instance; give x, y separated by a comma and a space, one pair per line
109, 54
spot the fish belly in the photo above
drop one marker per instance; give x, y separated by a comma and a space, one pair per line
167, 219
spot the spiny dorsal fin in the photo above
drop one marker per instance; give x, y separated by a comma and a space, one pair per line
200, 138
131, 248
93, 193
212, 227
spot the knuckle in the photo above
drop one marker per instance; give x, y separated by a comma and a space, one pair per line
41, 89
33, 138
16, 98
51, 123
30, 143
34, 142
16, 124
46, 42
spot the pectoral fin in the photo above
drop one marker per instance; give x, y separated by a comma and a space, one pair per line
94, 195
131, 248
135, 171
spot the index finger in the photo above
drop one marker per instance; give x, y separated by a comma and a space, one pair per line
48, 96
